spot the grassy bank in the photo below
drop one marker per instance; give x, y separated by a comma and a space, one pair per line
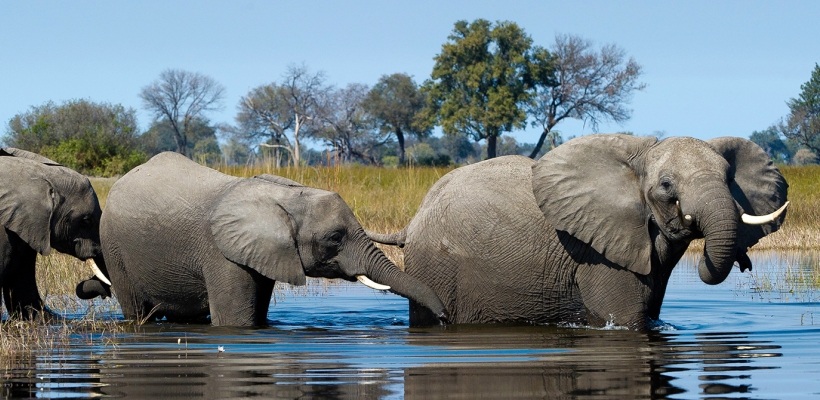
385, 199
801, 231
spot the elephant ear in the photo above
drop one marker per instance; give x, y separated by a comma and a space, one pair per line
756, 185
251, 228
589, 188
26, 202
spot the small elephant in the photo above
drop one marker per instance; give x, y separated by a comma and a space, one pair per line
43, 205
590, 233
182, 241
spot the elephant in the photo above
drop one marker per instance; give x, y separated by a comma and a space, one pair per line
183, 242
588, 234
43, 206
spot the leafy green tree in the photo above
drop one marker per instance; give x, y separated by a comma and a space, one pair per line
591, 86
803, 123
396, 102
483, 78
201, 140
236, 152
180, 98
342, 123
92, 138
771, 142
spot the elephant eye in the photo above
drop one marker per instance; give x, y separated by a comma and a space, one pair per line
336, 236
666, 189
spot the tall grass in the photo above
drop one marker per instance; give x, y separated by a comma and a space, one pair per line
383, 199
801, 230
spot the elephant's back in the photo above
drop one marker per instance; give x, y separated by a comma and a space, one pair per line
155, 225
475, 234
167, 183
465, 190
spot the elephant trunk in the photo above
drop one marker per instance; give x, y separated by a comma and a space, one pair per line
381, 270
718, 221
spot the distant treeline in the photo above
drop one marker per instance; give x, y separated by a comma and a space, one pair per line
489, 80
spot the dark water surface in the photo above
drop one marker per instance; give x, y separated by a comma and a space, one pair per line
757, 335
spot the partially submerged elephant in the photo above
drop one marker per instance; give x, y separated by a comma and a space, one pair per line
43, 206
590, 233
183, 241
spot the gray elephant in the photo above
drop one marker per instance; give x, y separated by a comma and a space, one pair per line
182, 242
43, 206
590, 233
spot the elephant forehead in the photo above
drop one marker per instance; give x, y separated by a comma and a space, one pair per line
685, 156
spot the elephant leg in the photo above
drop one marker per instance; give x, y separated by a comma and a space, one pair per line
133, 307
613, 296
20, 291
238, 295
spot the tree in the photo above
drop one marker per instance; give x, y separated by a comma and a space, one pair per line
203, 146
395, 102
270, 111
235, 152
265, 114
303, 89
770, 141
803, 123
92, 138
346, 127
483, 78
591, 85
180, 97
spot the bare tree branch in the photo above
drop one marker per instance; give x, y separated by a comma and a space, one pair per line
180, 97
593, 86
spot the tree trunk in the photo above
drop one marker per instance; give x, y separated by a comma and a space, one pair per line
492, 141
296, 153
540, 143
400, 138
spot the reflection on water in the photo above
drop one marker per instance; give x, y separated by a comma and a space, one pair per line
717, 342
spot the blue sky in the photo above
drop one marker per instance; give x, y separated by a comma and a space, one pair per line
713, 68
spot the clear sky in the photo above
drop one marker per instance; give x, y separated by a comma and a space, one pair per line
713, 68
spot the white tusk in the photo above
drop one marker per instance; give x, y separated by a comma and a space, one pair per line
373, 285
685, 220
99, 274
763, 219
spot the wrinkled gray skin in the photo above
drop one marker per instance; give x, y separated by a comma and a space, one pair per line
43, 206
186, 241
589, 234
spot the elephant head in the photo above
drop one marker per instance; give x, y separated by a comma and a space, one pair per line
613, 191
47, 206
286, 232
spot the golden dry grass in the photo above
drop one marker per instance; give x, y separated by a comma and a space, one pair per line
801, 230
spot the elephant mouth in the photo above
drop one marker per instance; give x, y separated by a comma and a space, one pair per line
685, 220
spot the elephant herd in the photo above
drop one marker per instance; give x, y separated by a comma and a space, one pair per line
587, 235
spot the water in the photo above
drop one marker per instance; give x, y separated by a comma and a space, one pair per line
754, 336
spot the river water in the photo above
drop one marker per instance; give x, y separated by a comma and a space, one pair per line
757, 335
